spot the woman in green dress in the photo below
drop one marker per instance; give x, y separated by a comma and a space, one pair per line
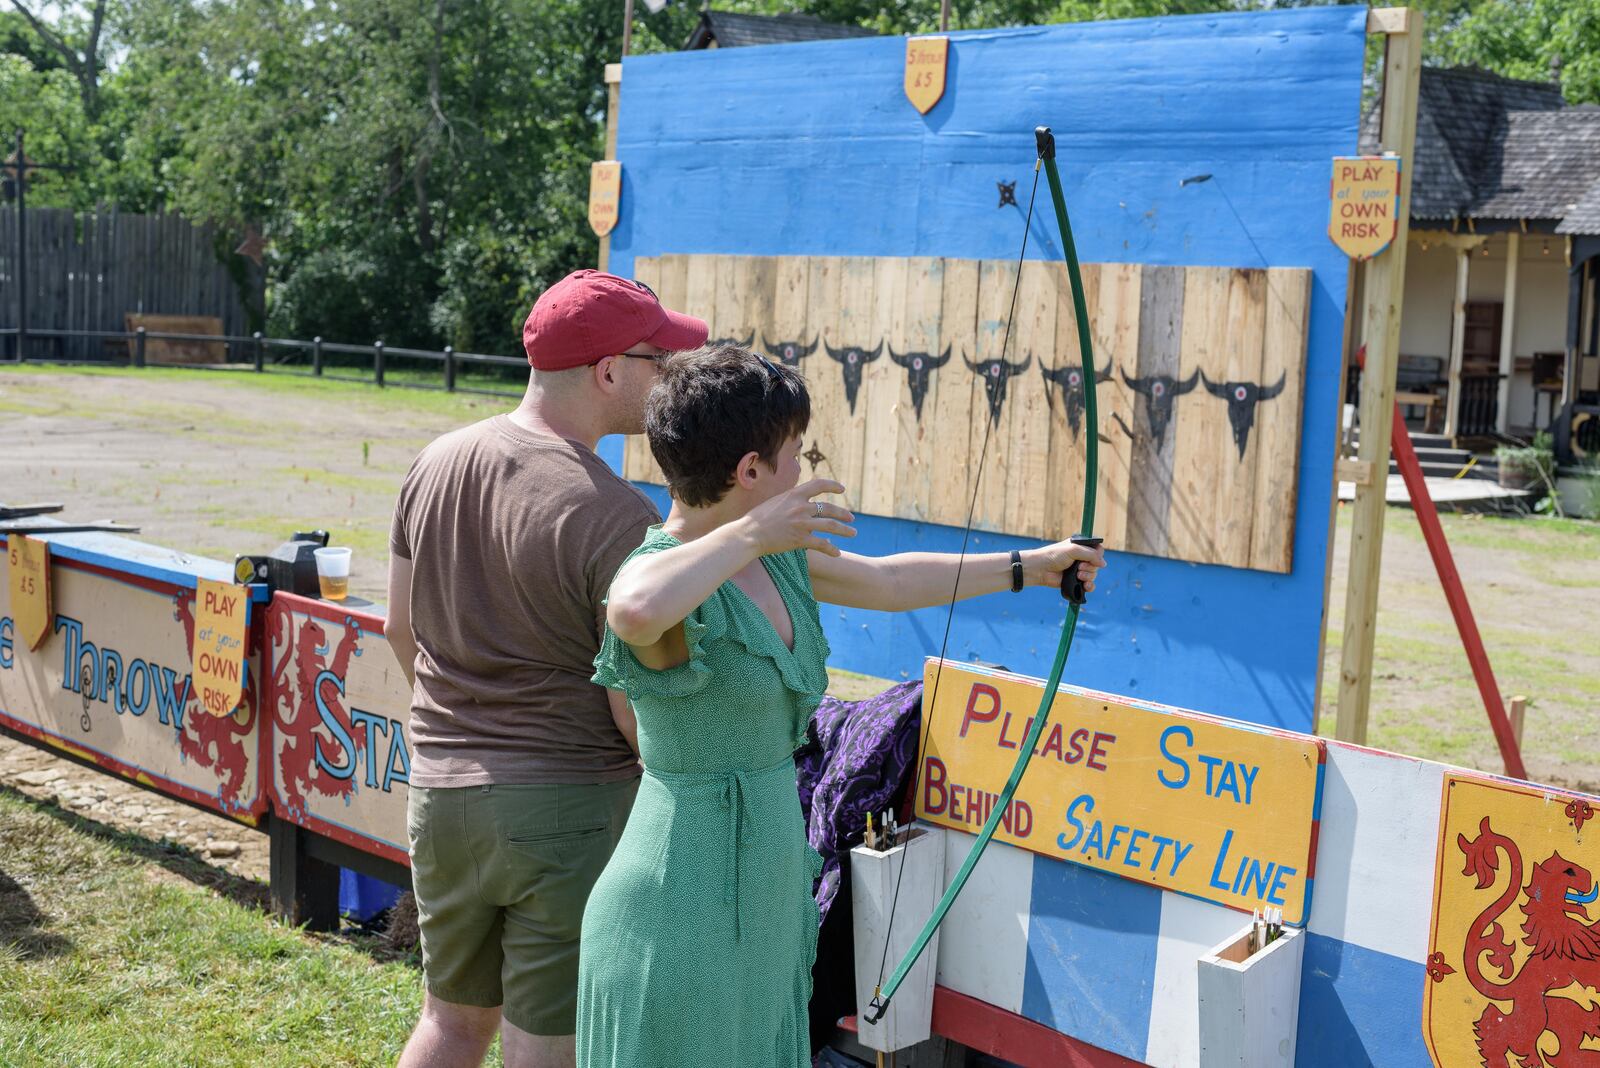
699, 936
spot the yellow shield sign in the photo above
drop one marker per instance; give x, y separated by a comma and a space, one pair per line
219, 625
605, 195
29, 565
1216, 809
1364, 209
925, 63
1514, 956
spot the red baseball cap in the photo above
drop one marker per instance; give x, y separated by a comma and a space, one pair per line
590, 315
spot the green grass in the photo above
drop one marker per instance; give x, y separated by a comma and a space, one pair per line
1527, 601
57, 396
115, 951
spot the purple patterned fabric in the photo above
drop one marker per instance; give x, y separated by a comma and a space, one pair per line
857, 757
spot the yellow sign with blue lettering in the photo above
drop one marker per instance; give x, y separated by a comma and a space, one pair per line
1217, 809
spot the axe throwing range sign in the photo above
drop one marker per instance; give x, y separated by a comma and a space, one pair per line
1207, 807
114, 680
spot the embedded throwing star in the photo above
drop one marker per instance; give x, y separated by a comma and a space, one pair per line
814, 456
1008, 193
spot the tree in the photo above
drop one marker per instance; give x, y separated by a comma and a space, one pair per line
1532, 39
81, 58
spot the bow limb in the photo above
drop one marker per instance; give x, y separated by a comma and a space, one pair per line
1071, 589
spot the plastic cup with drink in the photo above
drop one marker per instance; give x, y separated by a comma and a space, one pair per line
333, 573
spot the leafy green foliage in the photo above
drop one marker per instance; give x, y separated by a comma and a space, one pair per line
420, 167
1532, 39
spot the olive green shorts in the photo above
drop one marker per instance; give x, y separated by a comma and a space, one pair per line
501, 875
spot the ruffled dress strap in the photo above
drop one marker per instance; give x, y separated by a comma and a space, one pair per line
729, 614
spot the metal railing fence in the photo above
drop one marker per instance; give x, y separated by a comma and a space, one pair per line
290, 356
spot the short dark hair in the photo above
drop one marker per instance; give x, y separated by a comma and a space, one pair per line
711, 406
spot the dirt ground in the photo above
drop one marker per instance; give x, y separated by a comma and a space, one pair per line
219, 464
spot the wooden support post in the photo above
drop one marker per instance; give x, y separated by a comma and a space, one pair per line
1508, 331
1382, 299
1518, 711
1577, 321
613, 102
1458, 341
304, 890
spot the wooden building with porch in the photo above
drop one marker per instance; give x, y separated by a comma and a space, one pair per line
1500, 336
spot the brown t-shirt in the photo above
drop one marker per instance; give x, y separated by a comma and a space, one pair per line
514, 538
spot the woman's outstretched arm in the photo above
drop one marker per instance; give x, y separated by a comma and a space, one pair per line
654, 593
922, 580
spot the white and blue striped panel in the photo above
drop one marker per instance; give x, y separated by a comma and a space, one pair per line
1112, 962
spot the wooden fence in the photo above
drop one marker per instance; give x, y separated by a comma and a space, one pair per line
86, 271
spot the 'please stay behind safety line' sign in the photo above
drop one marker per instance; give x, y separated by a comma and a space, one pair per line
1207, 807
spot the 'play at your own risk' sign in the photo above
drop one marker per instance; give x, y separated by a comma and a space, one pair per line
1364, 204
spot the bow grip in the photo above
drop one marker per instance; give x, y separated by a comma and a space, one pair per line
1071, 585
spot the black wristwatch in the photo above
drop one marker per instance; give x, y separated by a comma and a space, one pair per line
1016, 571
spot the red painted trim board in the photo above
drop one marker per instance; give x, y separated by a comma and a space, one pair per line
990, 1029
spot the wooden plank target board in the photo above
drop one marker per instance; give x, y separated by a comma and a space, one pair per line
1200, 377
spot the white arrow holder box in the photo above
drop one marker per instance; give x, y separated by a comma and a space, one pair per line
1250, 1002
872, 892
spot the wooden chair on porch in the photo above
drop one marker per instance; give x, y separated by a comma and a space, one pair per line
1419, 383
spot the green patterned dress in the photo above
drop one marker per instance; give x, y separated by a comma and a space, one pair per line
698, 938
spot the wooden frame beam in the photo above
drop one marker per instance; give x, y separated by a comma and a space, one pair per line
1458, 340
1382, 300
1508, 332
613, 102
1388, 20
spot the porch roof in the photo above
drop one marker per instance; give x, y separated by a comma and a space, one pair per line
1584, 218
1495, 148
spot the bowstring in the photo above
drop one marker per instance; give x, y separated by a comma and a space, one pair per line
972, 508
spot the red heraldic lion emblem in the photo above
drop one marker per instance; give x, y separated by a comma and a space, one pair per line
1513, 976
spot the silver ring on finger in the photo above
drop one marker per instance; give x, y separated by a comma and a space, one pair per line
816, 509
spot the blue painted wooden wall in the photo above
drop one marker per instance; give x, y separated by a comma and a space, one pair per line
813, 150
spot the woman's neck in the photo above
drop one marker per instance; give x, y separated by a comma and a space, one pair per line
688, 523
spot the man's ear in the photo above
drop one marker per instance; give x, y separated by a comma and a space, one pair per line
605, 375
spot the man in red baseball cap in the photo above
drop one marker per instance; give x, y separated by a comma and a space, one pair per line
505, 538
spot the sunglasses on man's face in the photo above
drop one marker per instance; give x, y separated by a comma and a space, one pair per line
651, 356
